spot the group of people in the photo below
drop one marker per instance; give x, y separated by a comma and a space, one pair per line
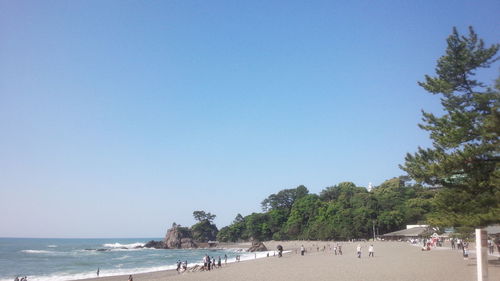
210, 263
371, 251
337, 249
22, 278
182, 266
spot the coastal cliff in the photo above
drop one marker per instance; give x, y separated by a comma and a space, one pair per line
177, 237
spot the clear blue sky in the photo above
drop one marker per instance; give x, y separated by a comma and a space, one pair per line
118, 118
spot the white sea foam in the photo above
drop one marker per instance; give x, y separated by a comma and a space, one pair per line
52, 246
119, 245
37, 252
64, 276
122, 258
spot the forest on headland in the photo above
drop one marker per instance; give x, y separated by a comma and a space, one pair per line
341, 212
454, 183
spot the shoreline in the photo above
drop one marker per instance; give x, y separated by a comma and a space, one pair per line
392, 261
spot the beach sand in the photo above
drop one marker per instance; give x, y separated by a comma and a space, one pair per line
392, 261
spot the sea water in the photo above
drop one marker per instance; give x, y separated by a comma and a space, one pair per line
70, 259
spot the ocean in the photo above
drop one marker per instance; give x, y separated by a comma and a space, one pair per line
70, 259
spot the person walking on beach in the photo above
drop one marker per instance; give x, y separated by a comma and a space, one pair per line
491, 248
339, 248
370, 251
302, 250
209, 263
98, 270
205, 262
358, 250
225, 259
219, 263
178, 266
130, 278
17, 278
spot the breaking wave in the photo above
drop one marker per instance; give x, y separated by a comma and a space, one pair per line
37, 252
128, 246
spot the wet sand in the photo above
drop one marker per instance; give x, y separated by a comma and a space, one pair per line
392, 261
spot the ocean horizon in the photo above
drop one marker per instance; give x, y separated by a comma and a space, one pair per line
60, 259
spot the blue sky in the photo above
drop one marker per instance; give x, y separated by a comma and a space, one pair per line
120, 117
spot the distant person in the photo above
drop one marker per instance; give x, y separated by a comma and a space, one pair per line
219, 262
339, 248
209, 263
213, 263
370, 251
17, 278
491, 248
452, 243
465, 249
185, 265
205, 262
497, 242
302, 250
178, 266
358, 250
130, 278
98, 270
225, 258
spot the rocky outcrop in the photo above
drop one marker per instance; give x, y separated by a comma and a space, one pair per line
155, 244
179, 238
257, 247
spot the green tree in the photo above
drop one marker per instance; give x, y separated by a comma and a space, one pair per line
304, 210
202, 215
257, 227
284, 199
204, 231
464, 159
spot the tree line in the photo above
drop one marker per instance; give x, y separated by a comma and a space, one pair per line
343, 211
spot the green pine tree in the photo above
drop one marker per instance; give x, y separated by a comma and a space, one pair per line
464, 159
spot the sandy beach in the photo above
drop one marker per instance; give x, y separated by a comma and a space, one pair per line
392, 261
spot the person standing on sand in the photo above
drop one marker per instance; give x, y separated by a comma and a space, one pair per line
98, 270
130, 278
370, 251
302, 250
358, 250
225, 259
219, 263
339, 248
490, 246
178, 266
